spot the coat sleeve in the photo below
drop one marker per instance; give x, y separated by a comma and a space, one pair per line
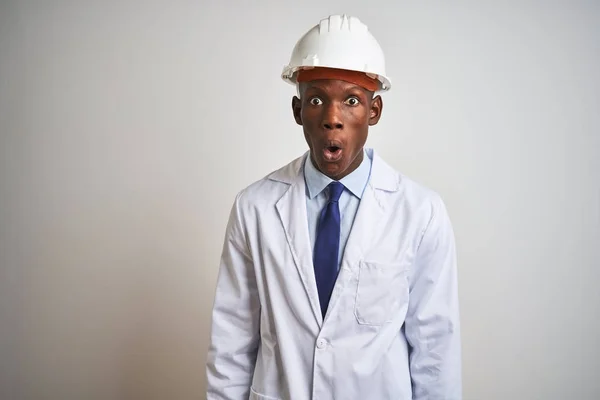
432, 324
235, 318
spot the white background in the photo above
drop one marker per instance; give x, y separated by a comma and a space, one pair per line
127, 128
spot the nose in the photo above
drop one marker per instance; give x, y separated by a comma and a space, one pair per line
331, 118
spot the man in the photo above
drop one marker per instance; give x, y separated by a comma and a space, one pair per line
338, 276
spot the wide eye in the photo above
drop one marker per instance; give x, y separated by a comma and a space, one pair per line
315, 101
352, 101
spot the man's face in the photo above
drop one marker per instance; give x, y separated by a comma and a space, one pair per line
335, 116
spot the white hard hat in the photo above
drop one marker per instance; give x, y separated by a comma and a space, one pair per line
341, 42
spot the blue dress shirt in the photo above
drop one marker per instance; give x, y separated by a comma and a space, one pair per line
316, 198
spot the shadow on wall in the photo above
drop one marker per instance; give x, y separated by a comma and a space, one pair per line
162, 353
120, 314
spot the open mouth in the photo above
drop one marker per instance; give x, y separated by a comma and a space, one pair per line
332, 153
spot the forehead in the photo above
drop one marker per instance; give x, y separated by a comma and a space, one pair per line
331, 87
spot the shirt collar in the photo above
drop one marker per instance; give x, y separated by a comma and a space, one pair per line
355, 182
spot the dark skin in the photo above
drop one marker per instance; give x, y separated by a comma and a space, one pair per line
336, 116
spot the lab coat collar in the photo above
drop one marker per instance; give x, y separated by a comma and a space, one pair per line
382, 175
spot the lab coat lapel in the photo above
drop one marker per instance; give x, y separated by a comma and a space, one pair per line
291, 208
369, 218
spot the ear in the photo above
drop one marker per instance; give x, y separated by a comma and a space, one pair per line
297, 109
375, 111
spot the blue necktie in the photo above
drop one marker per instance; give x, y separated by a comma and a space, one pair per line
327, 246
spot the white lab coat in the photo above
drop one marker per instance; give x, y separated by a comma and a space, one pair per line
392, 325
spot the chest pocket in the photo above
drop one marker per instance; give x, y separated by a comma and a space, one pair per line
381, 292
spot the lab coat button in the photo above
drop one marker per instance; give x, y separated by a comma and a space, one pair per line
321, 343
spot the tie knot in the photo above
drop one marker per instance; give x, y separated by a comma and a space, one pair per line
335, 191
